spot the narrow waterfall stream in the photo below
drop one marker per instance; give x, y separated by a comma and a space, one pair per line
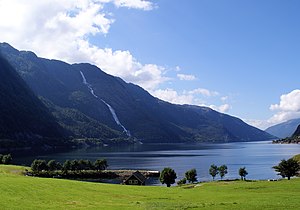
112, 111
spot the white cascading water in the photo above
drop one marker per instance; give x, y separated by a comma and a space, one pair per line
112, 111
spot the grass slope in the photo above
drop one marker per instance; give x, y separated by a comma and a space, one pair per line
297, 157
20, 192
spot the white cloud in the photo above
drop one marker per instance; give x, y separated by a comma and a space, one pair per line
137, 4
189, 97
172, 96
262, 124
177, 68
204, 92
60, 29
287, 109
288, 102
282, 117
224, 98
187, 77
124, 65
222, 108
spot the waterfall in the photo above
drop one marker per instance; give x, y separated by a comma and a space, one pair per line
88, 85
112, 111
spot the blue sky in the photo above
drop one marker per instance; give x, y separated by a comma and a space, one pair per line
238, 57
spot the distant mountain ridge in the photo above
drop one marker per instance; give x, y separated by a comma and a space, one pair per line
293, 139
297, 132
285, 129
147, 118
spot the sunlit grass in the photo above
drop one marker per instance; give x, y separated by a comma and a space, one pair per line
21, 192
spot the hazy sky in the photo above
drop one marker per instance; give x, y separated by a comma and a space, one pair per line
236, 56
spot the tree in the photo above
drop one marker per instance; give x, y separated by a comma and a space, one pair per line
74, 165
243, 173
1, 157
167, 176
67, 166
54, 165
287, 168
191, 175
6, 159
39, 165
89, 165
100, 164
213, 171
85, 165
222, 171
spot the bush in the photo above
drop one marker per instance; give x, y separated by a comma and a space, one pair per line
182, 181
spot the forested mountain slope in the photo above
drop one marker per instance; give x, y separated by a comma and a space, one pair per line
108, 100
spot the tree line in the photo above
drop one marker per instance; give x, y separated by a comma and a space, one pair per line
286, 168
69, 165
86, 168
168, 175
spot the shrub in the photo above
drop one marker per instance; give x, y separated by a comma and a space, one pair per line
182, 181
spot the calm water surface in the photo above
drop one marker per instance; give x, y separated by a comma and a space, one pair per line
257, 157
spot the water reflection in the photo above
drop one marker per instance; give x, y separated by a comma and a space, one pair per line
257, 157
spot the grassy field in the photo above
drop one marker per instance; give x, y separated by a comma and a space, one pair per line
21, 192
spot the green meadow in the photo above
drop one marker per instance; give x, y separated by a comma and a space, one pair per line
21, 192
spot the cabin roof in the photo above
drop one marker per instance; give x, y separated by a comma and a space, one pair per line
138, 176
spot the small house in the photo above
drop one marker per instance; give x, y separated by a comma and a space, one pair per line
135, 179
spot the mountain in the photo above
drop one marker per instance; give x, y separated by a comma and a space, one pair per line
56, 95
24, 119
297, 132
285, 129
293, 139
80, 125
116, 105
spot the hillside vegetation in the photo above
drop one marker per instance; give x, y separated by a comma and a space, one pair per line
297, 157
42, 193
294, 139
24, 119
66, 90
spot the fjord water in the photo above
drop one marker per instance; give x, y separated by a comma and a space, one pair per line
257, 157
